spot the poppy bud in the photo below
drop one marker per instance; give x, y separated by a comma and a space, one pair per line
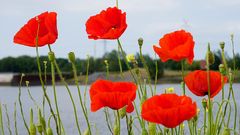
106, 62
86, 132
40, 128
211, 58
23, 74
226, 131
222, 45
51, 56
45, 62
123, 112
27, 83
144, 131
170, 90
32, 129
71, 57
116, 129
140, 42
49, 131
152, 128
204, 103
131, 58
222, 69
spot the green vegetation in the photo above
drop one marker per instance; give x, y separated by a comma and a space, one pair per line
28, 64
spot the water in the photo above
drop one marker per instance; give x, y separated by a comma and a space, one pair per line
9, 95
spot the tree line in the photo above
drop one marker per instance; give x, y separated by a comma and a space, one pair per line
27, 64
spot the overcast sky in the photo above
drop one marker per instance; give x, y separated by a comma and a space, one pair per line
208, 20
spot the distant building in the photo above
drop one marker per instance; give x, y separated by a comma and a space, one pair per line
6, 78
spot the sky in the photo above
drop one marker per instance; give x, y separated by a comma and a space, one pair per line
208, 20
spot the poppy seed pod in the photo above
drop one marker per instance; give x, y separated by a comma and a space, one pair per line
222, 45
140, 42
71, 57
51, 56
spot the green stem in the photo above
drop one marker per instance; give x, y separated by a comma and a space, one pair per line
109, 124
125, 59
30, 95
8, 120
55, 98
209, 93
146, 69
15, 118
70, 94
184, 91
42, 83
119, 123
120, 64
80, 97
86, 82
156, 76
20, 103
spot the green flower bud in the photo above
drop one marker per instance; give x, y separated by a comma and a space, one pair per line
140, 42
45, 62
222, 69
131, 58
211, 58
43, 123
170, 90
152, 128
32, 129
116, 129
27, 83
144, 131
222, 45
71, 57
51, 56
86, 132
226, 131
49, 131
204, 103
123, 112
40, 128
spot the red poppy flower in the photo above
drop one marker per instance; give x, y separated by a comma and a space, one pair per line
47, 30
109, 24
176, 46
114, 95
169, 110
197, 82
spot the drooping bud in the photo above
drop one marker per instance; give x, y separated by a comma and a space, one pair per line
152, 128
222, 69
49, 131
140, 42
226, 131
123, 112
222, 45
51, 56
71, 57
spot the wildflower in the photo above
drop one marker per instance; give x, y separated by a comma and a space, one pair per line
114, 95
176, 46
169, 110
43, 26
197, 82
109, 24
